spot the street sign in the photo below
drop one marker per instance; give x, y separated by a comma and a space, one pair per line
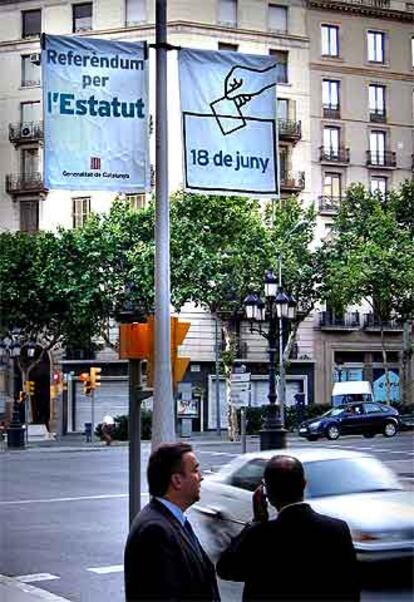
240, 398
239, 378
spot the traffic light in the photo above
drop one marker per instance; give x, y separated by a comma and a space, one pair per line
30, 387
179, 365
95, 377
85, 378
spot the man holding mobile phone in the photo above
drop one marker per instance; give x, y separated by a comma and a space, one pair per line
301, 555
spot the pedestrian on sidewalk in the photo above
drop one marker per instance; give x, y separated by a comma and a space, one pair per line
108, 425
163, 558
299, 556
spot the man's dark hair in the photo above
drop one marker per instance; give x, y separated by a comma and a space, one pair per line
163, 463
285, 479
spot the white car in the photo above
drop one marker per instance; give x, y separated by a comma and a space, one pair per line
353, 486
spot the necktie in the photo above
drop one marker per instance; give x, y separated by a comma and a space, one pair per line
191, 534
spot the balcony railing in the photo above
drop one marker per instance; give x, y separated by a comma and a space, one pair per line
371, 321
290, 182
25, 131
378, 116
349, 320
289, 129
381, 159
24, 183
329, 204
371, 3
331, 112
334, 155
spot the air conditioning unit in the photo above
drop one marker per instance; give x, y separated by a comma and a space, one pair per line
27, 130
35, 58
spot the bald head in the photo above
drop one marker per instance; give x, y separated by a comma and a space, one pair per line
285, 480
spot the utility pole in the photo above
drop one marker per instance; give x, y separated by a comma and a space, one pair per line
163, 427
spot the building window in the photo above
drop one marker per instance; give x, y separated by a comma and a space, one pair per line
31, 23
227, 13
30, 72
378, 184
331, 142
376, 103
135, 11
281, 57
29, 216
330, 98
332, 187
330, 40
376, 40
30, 161
412, 52
81, 210
377, 147
30, 112
228, 47
283, 108
136, 201
277, 18
82, 17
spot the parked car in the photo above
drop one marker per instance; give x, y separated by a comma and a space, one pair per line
366, 419
353, 486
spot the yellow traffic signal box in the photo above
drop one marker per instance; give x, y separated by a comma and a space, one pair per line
95, 377
85, 378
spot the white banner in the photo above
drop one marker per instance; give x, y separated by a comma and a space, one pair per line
228, 104
95, 104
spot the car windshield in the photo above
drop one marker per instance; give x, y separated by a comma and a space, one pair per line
348, 475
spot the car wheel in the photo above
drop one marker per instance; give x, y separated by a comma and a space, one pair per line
368, 435
332, 432
312, 438
390, 429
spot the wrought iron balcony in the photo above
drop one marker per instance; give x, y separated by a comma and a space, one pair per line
329, 204
347, 321
333, 155
290, 182
378, 116
358, 3
381, 159
331, 111
289, 129
24, 183
25, 131
372, 322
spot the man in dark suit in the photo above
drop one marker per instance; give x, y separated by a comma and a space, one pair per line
163, 558
300, 555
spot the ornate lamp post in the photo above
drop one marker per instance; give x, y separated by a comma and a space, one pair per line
277, 307
11, 347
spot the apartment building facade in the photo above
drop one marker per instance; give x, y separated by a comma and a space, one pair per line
293, 33
362, 114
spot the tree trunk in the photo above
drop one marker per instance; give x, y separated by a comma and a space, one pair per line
227, 360
406, 380
386, 369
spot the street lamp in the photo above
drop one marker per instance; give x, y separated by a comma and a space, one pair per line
277, 307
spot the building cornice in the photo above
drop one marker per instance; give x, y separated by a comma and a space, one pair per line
147, 30
368, 8
362, 71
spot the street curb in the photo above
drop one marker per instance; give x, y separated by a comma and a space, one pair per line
12, 590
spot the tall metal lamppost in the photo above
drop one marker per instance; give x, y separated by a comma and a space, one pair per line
11, 347
277, 307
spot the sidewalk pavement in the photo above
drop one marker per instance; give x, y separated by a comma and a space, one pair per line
12, 590
78, 442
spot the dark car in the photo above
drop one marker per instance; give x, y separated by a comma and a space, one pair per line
360, 418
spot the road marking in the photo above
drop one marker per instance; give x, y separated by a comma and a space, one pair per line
36, 577
11, 589
216, 453
65, 499
105, 570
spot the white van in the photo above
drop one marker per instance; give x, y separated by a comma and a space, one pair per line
352, 390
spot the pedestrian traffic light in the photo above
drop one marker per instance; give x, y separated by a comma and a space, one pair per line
86, 379
30, 387
95, 377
